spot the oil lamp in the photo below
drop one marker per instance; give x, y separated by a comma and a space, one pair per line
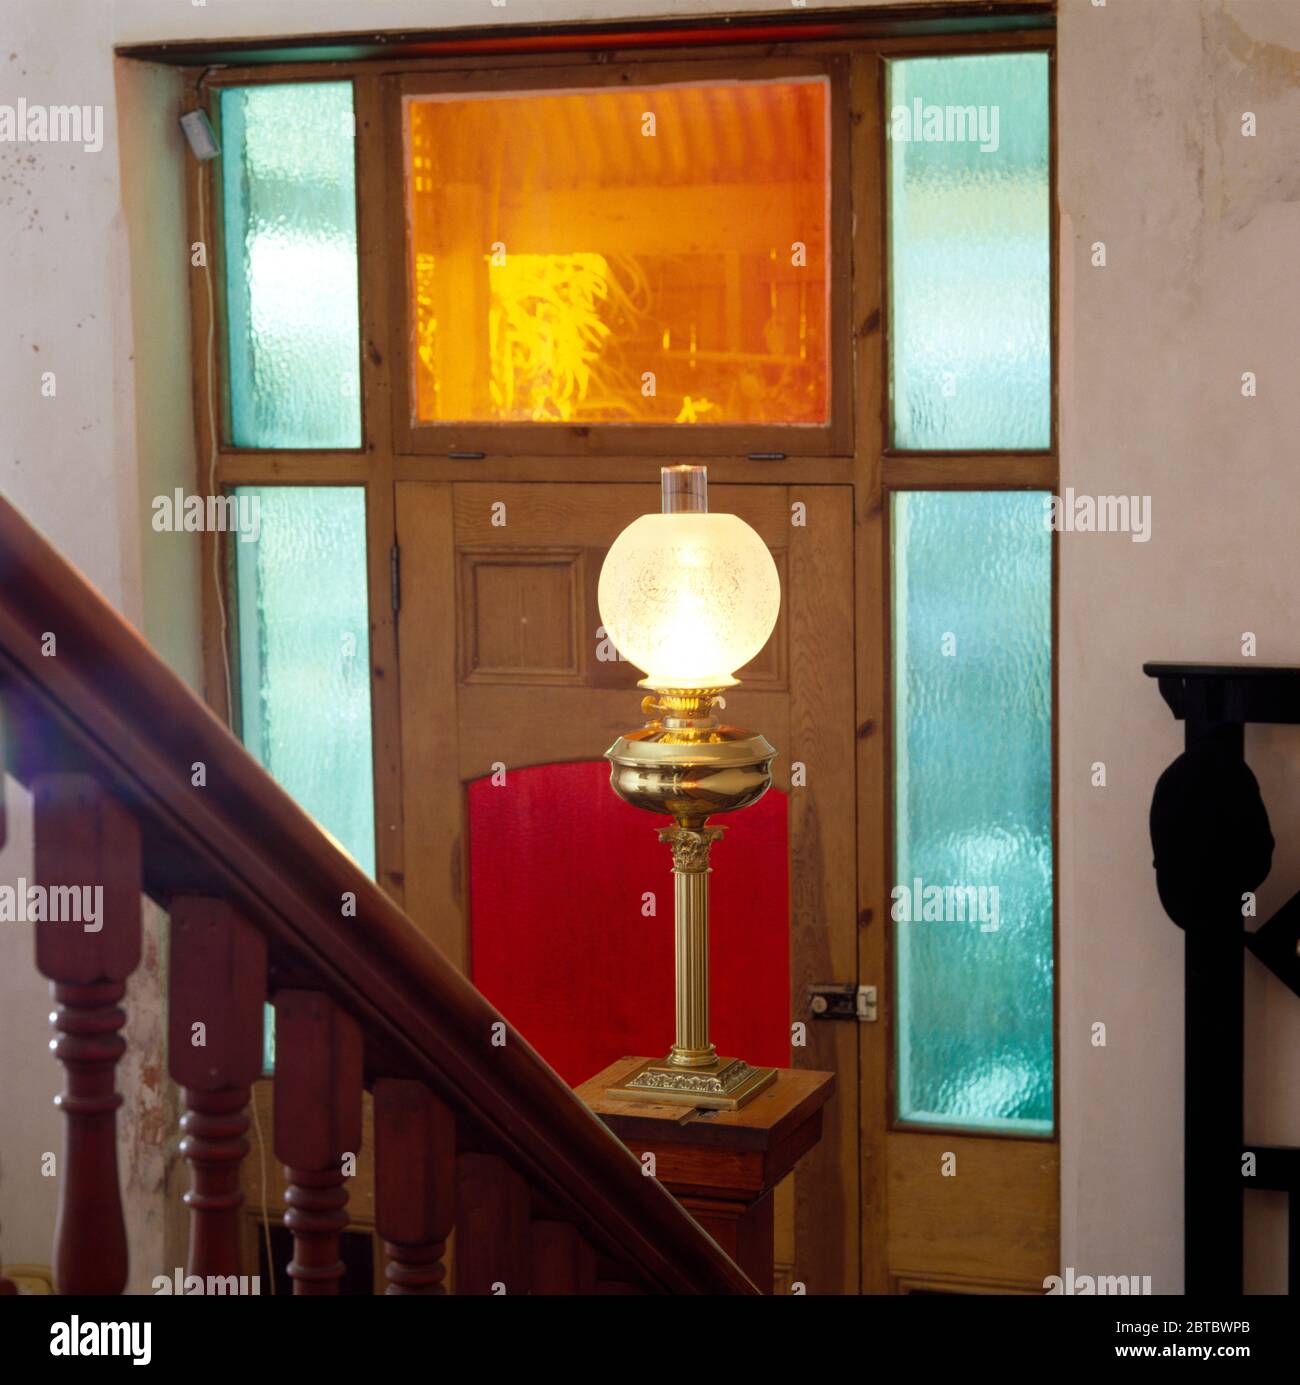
689, 597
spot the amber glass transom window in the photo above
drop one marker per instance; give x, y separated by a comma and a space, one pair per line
646, 255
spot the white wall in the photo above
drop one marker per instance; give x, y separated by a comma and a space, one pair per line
68, 462
1200, 226
104, 308
139, 21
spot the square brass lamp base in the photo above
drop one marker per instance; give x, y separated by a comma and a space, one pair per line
726, 1084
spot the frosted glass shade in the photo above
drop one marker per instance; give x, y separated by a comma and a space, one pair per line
689, 598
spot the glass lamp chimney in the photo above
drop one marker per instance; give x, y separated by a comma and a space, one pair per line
684, 490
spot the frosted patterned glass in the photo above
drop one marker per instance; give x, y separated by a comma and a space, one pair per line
972, 594
304, 668
619, 257
289, 186
969, 252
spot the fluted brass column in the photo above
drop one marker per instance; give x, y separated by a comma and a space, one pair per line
690, 848
690, 766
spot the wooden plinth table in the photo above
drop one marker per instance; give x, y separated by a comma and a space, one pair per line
722, 1166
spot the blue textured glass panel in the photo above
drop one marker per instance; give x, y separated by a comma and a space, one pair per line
972, 904
304, 658
969, 252
289, 188
304, 670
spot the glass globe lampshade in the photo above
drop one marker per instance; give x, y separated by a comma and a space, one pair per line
689, 597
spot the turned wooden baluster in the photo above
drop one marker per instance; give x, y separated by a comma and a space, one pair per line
563, 1263
318, 1058
218, 981
493, 1235
84, 838
415, 1184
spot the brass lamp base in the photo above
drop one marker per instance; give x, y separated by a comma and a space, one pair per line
685, 764
725, 1084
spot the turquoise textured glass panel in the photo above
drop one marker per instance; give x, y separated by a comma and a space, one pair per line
304, 667
972, 904
969, 252
304, 657
289, 189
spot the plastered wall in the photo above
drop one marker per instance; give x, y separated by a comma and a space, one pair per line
1199, 223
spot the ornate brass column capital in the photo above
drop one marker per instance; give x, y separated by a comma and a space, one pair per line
690, 847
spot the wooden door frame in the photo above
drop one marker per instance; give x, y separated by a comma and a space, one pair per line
883, 472
557, 441
873, 470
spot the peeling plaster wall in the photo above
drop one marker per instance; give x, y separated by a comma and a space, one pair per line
68, 462
104, 308
1200, 227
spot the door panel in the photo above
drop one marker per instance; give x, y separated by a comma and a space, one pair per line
500, 666
984, 1223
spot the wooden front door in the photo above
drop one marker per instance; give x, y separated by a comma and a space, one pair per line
500, 669
504, 670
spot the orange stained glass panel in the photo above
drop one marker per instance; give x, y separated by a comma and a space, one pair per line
643, 255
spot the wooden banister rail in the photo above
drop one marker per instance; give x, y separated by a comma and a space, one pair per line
94, 715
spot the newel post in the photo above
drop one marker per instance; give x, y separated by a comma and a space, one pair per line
217, 991
88, 872
318, 1073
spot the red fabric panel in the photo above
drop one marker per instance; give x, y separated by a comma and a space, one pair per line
558, 942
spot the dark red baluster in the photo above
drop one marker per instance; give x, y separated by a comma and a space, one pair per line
318, 1057
563, 1263
493, 1236
84, 838
415, 1184
218, 981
